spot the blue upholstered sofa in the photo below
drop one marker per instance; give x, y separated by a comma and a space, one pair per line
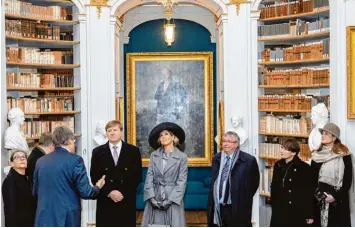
196, 196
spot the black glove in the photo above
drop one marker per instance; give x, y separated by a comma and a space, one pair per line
165, 205
154, 203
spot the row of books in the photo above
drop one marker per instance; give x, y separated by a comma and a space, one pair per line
23, 8
33, 29
293, 28
35, 127
38, 56
294, 7
303, 76
273, 150
265, 180
40, 104
58, 94
297, 102
285, 125
305, 51
38, 80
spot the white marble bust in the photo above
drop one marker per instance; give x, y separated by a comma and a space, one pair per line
100, 137
319, 119
237, 127
14, 138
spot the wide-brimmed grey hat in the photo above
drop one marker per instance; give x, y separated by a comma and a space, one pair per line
332, 129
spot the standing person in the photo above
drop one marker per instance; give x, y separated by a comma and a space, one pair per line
44, 147
234, 181
60, 181
122, 165
19, 203
291, 192
165, 184
332, 171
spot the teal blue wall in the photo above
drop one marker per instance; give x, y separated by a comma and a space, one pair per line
190, 37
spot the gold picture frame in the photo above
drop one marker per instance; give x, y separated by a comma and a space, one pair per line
351, 71
140, 66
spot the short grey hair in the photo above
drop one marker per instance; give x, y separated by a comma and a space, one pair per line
46, 139
233, 133
62, 135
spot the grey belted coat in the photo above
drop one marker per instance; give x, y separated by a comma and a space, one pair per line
170, 184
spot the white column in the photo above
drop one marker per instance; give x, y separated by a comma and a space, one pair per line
338, 96
240, 77
237, 68
253, 103
100, 80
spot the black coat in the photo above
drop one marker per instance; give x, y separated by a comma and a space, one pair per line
19, 203
339, 213
124, 177
36, 154
244, 183
291, 194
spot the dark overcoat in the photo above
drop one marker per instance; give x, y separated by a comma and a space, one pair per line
291, 194
19, 203
124, 177
244, 183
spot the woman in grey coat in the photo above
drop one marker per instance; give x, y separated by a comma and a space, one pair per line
165, 184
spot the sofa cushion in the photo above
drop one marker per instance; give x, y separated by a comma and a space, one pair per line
140, 188
196, 187
207, 182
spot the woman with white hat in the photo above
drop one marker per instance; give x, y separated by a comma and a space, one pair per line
166, 179
332, 178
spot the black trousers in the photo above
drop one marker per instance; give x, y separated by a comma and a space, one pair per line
226, 215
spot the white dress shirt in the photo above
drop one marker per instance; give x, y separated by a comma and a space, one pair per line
119, 146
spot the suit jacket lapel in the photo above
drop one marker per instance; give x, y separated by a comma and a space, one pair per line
108, 154
123, 154
172, 159
158, 160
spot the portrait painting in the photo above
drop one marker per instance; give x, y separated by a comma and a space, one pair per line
171, 87
351, 71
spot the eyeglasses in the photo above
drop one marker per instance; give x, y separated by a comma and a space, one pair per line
20, 158
228, 141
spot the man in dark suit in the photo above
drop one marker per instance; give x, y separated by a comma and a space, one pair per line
122, 165
60, 181
45, 146
234, 181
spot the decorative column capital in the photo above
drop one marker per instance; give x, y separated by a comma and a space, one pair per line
255, 14
237, 4
99, 4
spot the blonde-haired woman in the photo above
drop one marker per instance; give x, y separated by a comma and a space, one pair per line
332, 170
165, 183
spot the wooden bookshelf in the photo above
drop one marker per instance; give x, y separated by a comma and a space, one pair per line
45, 66
265, 194
299, 37
300, 15
46, 41
42, 89
53, 113
269, 158
295, 62
282, 110
59, 22
293, 86
37, 137
284, 135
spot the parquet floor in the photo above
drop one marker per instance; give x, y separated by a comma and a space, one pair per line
193, 218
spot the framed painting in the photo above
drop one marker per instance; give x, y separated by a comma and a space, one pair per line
175, 87
351, 71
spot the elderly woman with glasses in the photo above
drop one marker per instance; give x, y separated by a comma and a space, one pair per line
19, 203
